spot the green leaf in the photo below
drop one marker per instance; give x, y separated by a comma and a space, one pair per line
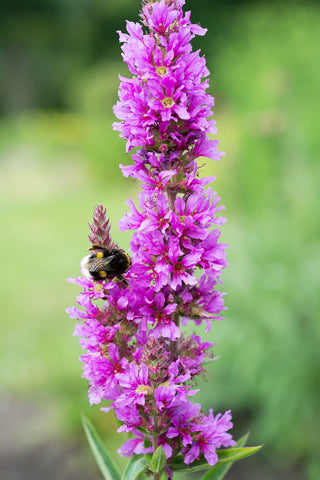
218, 472
158, 460
147, 443
234, 454
243, 440
134, 468
164, 476
103, 459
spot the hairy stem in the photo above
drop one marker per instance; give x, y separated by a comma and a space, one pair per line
175, 345
171, 194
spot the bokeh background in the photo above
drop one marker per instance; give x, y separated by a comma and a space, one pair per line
59, 157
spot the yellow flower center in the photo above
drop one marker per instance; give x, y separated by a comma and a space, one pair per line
98, 287
162, 71
143, 389
168, 102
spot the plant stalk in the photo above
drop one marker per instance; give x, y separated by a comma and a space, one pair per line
155, 442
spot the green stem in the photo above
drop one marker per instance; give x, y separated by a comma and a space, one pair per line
155, 442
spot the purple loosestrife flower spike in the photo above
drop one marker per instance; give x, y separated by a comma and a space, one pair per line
100, 229
137, 358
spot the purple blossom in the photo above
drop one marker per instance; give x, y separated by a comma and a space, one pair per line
134, 385
137, 356
134, 446
159, 313
168, 86
180, 424
210, 434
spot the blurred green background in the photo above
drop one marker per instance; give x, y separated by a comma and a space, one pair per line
59, 157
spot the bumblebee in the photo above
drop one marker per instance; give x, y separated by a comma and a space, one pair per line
106, 263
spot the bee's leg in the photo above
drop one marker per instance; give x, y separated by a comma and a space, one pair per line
95, 246
122, 279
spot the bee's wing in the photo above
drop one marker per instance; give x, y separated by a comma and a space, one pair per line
99, 264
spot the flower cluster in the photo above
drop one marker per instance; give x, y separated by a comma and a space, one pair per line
137, 357
165, 107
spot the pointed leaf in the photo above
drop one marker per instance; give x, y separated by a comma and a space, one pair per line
146, 442
103, 459
234, 454
158, 460
243, 440
229, 455
134, 468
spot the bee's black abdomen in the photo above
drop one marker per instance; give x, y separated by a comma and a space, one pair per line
121, 262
